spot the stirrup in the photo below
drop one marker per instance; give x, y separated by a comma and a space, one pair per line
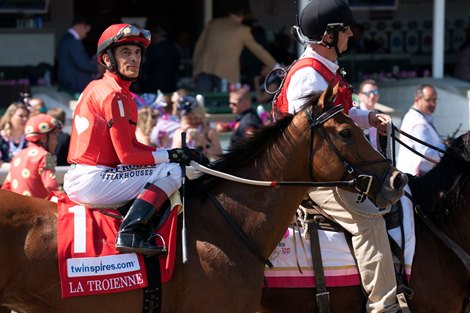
141, 246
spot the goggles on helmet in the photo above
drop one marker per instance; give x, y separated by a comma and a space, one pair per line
128, 31
333, 27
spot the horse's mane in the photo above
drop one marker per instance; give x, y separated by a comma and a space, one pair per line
249, 148
449, 178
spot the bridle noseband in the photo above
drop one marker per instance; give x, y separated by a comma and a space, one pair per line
366, 185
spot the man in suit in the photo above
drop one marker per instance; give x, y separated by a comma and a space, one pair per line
218, 49
75, 69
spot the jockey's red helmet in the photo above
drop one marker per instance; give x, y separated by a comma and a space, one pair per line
39, 126
122, 34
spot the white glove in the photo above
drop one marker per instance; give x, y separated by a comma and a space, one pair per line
192, 173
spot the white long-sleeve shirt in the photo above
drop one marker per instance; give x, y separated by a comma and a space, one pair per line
307, 80
420, 126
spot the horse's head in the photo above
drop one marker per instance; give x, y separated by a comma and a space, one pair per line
340, 151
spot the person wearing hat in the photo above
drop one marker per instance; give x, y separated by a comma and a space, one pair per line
325, 30
109, 166
32, 170
200, 134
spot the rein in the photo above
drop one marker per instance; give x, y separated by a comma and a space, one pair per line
365, 184
254, 249
447, 153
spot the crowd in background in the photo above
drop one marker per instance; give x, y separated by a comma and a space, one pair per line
169, 105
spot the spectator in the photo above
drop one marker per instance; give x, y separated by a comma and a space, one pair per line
36, 106
281, 48
199, 134
32, 170
369, 96
161, 63
146, 120
12, 138
250, 64
462, 68
218, 49
168, 121
247, 119
75, 69
63, 138
418, 122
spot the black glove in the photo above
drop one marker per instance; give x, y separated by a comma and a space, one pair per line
186, 155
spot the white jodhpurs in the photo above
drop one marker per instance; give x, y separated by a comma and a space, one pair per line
103, 186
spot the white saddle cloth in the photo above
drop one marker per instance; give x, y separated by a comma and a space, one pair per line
339, 266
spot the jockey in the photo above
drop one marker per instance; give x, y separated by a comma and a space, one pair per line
32, 170
325, 28
109, 166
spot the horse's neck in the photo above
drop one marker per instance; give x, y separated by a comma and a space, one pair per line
426, 189
273, 208
430, 191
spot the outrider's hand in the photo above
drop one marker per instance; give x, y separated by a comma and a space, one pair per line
186, 155
379, 121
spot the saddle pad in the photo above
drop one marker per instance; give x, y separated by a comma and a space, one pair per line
88, 262
339, 266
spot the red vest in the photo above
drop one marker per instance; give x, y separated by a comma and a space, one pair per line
344, 96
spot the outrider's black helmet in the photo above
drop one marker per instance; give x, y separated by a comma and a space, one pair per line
318, 14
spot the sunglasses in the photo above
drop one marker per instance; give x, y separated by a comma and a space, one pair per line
371, 92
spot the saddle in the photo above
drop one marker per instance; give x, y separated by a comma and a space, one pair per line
309, 211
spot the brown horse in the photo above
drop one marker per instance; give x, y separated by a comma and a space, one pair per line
222, 274
438, 278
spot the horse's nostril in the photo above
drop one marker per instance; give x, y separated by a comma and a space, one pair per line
399, 180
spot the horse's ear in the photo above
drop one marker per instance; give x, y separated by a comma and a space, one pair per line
329, 95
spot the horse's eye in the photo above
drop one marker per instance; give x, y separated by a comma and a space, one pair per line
345, 133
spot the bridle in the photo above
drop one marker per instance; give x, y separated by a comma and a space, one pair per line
366, 185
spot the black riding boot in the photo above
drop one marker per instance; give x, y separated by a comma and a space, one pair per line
133, 233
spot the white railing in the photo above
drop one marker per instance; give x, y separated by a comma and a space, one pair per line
60, 172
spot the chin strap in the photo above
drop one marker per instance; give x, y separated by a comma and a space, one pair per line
332, 29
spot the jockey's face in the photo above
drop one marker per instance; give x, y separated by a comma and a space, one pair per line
128, 58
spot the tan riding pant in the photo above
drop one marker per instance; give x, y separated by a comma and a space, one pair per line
370, 242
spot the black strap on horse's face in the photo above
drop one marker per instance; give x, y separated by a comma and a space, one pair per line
365, 184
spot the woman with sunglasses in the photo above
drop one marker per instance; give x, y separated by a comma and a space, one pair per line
109, 166
200, 134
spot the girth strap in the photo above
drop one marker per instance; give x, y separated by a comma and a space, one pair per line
323, 295
153, 292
